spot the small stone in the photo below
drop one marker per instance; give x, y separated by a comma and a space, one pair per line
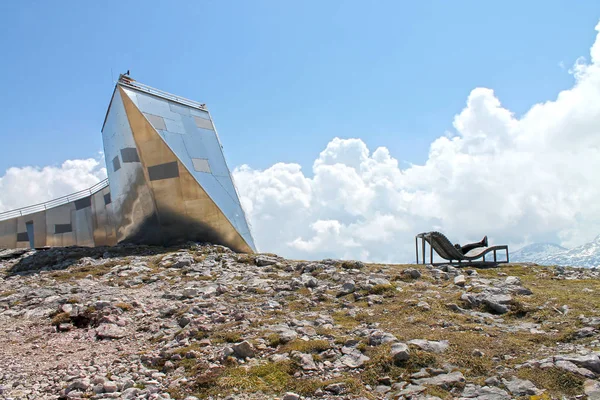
385, 380
445, 381
588, 331
512, 280
430, 345
287, 336
110, 331
109, 387
520, 387
592, 389
400, 352
306, 361
190, 292
460, 280
67, 308
228, 351
79, 384
347, 288
264, 261
290, 396
336, 388
243, 349
379, 337
353, 358
412, 273
477, 353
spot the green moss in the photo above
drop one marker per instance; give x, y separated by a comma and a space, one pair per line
306, 346
269, 377
227, 337
557, 381
388, 290
273, 340
124, 306
61, 318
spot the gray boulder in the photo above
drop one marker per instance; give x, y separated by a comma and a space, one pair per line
243, 349
520, 387
400, 352
430, 345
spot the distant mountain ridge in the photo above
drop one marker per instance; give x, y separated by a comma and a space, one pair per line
586, 255
536, 251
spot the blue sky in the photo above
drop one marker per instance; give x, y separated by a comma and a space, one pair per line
281, 78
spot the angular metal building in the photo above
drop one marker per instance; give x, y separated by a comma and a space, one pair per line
167, 182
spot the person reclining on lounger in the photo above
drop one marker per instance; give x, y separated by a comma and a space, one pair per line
468, 247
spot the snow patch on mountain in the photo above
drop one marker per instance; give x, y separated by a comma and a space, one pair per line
586, 255
536, 251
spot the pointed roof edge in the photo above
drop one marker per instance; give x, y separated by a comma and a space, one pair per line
131, 83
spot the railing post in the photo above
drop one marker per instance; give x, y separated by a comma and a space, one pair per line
430, 254
417, 248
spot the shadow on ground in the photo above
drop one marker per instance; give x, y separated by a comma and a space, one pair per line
59, 258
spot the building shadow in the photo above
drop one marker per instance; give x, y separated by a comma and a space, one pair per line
60, 258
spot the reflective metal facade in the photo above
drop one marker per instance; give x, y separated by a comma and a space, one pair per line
168, 182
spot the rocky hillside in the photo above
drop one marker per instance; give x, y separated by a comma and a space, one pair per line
203, 322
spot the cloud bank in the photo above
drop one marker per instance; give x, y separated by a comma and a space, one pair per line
518, 180
25, 186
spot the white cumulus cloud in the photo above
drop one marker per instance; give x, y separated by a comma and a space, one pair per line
518, 180
29, 185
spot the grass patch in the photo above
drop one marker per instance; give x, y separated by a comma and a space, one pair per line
226, 337
558, 382
76, 273
386, 290
61, 318
269, 377
124, 306
306, 346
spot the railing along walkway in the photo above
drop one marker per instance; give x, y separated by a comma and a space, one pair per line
53, 203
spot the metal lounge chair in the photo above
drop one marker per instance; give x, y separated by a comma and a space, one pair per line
444, 248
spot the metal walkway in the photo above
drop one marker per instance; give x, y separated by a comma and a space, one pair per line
53, 203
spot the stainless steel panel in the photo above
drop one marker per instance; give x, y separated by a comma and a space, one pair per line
128, 187
156, 121
215, 152
199, 113
84, 227
116, 164
152, 105
201, 165
203, 123
8, 234
39, 228
132, 95
58, 215
175, 126
179, 109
